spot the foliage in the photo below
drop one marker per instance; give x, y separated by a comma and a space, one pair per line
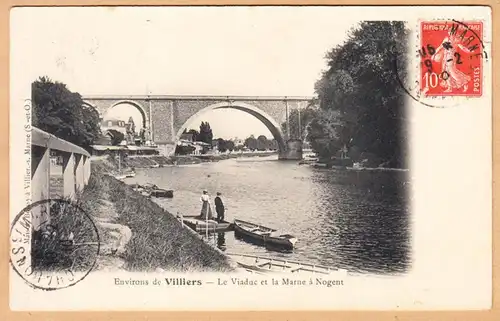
205, 135
225, 145
262, 143
62, 113
361, 99
230, 145
142, 135
194, 134
273, 144
251, 143
117, 137
184, 150
298, 128
131, 127
238, 147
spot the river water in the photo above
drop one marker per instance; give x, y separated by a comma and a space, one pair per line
359, 224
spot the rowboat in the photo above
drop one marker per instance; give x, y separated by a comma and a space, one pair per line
155, 191
263, 235
152, 190
160, 192
120, 176
130, 174
269, 265
201, 226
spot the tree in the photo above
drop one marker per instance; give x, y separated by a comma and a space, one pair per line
183, 150
273, 144
262, 143
306, 116
251, 143
62, 113
225, 145
323, 138
230, 145
361, 100
142, 135
221, 145
117, 137
238, 147
205, 134
194, 134
131, 126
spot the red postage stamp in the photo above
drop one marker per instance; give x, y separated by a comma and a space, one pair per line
451, 58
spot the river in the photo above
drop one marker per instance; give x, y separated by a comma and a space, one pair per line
361, 225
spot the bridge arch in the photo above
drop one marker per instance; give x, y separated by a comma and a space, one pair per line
86, 105
138, 106
258, 113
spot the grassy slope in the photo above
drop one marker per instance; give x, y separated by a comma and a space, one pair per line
158, 240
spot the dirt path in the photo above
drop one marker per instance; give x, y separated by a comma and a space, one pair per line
114, 238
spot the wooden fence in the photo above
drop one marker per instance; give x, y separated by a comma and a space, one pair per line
75, 167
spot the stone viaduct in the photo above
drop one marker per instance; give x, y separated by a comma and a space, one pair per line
167, 116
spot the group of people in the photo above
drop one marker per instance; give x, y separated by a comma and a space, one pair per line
206, 208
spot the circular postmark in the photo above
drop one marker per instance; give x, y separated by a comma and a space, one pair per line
444, 64
54, 244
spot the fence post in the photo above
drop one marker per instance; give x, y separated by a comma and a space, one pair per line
86, 170
79, 172
69, 175
40, 185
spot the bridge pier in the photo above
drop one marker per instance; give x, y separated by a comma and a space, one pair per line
166, 149
293, 150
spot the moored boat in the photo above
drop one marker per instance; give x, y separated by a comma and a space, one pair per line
319, 165
155, 191
130, 174
152, 190
263, 235
267, 265
201, 226
309, 159
120, 176
162, 193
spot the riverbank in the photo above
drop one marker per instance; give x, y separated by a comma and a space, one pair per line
152, 161
137, 234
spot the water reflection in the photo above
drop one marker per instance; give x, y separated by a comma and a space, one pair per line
221, 241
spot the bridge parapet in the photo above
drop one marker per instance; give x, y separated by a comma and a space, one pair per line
196, 97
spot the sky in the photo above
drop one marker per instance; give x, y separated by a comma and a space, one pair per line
261, 51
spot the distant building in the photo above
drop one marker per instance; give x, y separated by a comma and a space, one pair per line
116, 124
238, 143
202, 147
105, 139
187, 137
197, 147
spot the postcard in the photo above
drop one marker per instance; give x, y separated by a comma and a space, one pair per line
251, 158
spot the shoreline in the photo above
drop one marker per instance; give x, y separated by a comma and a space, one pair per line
137, 234
155, 161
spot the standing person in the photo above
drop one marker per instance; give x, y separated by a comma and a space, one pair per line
206, 210
219, 207
447, 53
